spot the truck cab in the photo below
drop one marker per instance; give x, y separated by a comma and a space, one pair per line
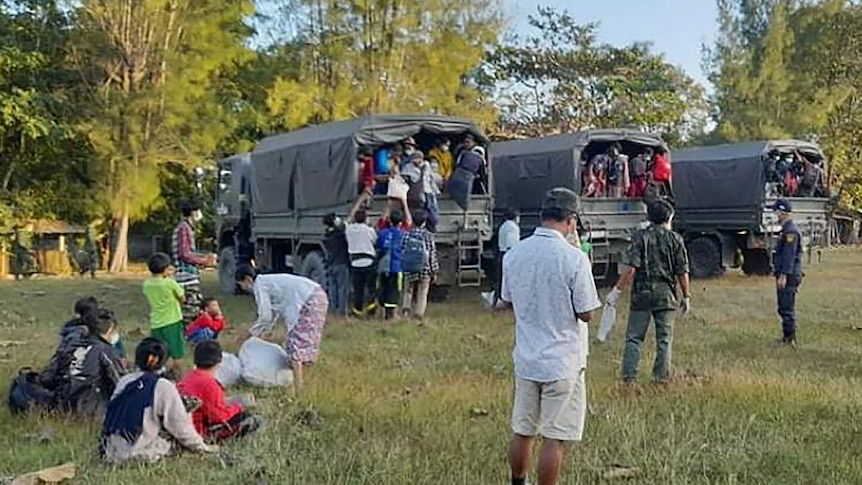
233, 216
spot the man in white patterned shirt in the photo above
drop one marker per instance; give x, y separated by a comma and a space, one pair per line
549, 283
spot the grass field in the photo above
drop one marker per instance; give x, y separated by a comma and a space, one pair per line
431, 405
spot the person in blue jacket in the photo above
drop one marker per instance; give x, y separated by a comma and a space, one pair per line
787, 260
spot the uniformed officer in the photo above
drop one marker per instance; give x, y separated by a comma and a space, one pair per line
788, 270
657, 264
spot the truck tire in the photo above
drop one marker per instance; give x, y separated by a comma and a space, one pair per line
755, 262
227, 271
704, 254
313, 267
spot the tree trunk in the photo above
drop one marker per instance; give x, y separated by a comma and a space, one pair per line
120, 250
8, 176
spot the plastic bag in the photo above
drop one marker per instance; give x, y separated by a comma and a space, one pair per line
264, 364
398, 188
609, 317
229, 372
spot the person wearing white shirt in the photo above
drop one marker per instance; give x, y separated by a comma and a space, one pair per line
299, 302
549, 285
508, 235
361, 240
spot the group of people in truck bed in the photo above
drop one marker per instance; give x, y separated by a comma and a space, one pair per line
794, 175
425, 175
614, 174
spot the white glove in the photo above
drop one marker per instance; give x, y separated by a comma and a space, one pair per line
613, 297
685, 305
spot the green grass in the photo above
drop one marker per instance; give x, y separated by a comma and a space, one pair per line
397, 406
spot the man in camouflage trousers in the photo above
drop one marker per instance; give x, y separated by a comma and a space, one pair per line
188, 262
657, 263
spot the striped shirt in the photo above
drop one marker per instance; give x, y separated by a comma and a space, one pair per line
187, 260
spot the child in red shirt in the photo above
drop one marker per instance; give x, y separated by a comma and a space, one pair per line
216, 418
208, 324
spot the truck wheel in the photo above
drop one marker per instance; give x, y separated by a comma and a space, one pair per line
313, 267
755, 262
227, 271
704, 254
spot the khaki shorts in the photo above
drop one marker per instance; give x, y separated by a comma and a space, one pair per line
556, 410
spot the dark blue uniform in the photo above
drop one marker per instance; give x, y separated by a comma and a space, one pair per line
788, 261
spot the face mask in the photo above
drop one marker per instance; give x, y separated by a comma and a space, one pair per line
197, 216
409, 150
115, 337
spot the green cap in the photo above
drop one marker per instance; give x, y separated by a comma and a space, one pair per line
562, 199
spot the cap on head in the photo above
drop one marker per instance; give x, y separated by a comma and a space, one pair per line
417, 155
410, 142
563, 200
782, 205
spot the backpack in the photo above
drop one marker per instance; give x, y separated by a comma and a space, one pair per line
614, 171
26, 393
415, 256
638, 167
416, 190
384, 262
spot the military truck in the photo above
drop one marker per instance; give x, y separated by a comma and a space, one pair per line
270, 203
524, 170
723, 205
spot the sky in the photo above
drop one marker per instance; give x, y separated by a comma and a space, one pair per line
676, 28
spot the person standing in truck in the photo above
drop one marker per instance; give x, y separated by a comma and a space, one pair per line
618, 172
661, 174
788, 270
188, 261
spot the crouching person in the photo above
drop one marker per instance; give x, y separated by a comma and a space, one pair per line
146, 417
216, 419
299, 302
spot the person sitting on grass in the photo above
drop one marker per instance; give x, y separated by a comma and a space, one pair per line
216, 419
147, 419
299, 302
87, 381
165, 297
208, 325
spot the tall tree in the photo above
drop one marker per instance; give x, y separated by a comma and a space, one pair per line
559, 78
360, 57
43, 163
784, 68
150, 68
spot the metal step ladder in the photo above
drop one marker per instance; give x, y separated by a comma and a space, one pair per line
468, 247
601, 255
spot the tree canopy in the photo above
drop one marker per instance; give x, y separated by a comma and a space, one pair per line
791, 69
106, 105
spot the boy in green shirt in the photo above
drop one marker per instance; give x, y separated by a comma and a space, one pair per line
165, 297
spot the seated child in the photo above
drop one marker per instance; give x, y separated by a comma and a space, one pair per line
165, 297
215, 419
208, 324
146, 417
86, 384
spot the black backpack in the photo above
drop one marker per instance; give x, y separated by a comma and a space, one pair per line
27, 394
416, 189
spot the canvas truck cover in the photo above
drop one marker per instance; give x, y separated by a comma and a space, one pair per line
315, 167
524, 170
728, 176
